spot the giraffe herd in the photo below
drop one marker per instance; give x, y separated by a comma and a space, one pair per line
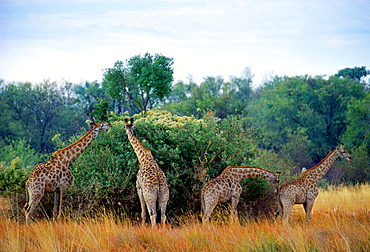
152, 188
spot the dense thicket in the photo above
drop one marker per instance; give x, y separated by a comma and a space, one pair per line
190, 151
285, 124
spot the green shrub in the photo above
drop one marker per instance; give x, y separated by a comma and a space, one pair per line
190, 151
13, 177
19, 148
17, 160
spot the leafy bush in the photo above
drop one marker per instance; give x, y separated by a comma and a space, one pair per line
18, 159
190, 151
19, 148
13, 177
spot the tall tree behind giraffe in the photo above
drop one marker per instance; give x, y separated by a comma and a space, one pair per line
55, 175
227, 187
304, 190
151, 181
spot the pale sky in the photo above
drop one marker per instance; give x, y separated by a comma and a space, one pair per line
74, 40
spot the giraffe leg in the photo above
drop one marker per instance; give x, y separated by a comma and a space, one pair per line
209, 206
163, 199
60, 204
152, 209
234, 202
143, 205
287, 208
308, 209
34, 200
56, 205
58, 200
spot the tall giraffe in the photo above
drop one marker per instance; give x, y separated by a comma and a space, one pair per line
54, 175
151, 181
304, 190
227, 187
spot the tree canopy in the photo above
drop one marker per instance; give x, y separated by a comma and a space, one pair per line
140, 82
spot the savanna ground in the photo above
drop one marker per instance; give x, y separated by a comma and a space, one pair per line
341, 222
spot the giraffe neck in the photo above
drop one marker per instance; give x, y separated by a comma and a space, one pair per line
316, 173
242, 172
141, 151
73, 151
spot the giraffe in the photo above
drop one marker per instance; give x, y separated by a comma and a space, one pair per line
227, 187
151, 181
304, 190
54, 175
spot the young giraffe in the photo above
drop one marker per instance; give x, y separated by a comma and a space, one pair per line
227, 187
54, 175
151, 181
304, 190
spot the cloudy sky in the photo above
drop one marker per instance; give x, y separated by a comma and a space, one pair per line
75, 40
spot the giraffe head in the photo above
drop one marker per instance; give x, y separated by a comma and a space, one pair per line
100, 126
129, 125
274, 180
343, 153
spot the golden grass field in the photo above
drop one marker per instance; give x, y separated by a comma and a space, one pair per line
341, 222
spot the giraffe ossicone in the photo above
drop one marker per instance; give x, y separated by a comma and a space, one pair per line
151, 181
226, 187
55, 175
303, 190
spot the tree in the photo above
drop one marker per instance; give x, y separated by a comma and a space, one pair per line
141, 82
37, 113
213, 93
309, 109
357, 138
89, 95
356, 73
358, 119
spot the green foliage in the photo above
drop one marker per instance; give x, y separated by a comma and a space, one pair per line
19, 148
115, 79
306, 108
13, 177
101, 110
356, 73
89, 96
357, 172
225, 98
140, 82
358, 120
37, 112
188, 150
18, 159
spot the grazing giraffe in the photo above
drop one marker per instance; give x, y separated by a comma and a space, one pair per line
151, 181
304, 190
227, 187
54, 175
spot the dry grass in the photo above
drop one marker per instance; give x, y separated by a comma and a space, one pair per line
341, 222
